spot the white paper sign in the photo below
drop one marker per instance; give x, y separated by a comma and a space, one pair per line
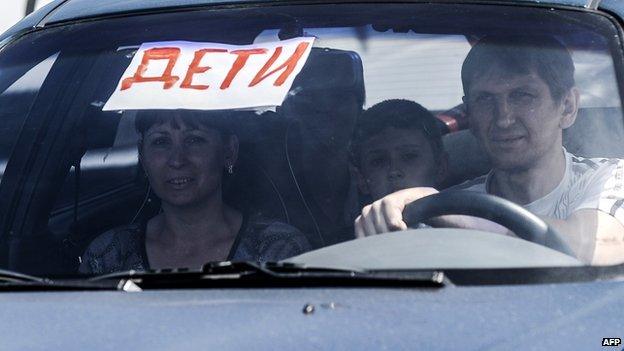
209, 76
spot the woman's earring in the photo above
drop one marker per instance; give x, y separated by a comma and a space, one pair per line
230, 169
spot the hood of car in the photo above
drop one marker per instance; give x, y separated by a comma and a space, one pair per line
558, 316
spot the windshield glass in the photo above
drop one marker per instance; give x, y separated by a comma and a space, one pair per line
266, 133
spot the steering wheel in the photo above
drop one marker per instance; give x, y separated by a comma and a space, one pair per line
514, 217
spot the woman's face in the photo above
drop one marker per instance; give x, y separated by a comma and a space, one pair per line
184, 164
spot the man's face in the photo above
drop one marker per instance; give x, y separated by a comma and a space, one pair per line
396, 159
516, 119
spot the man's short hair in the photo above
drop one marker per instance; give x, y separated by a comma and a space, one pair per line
400, 114
545, 55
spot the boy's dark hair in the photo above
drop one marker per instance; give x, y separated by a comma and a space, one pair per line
522, 54
400, 114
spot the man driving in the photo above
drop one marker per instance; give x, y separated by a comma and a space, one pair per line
520, 95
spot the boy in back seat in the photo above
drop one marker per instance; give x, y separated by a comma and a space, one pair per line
397, 144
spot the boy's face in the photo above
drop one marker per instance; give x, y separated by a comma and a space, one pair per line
397, 159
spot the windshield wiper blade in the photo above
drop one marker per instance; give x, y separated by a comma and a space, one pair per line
273, 274
15, 281
231, 270
287, 269
64, 285
7, 276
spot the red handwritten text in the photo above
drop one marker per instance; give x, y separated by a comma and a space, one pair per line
196, 67
170, 54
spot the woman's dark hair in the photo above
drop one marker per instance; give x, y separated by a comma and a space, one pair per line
400, 114
542, 54
222, 121
219, 120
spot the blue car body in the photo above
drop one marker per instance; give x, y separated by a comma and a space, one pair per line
534, 317
546, 316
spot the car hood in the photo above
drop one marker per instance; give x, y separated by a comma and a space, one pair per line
553, 316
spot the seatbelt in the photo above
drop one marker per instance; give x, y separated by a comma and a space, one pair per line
70, 242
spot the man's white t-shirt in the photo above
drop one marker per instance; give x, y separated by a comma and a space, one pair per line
588, 183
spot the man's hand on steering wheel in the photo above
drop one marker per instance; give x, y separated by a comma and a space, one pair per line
386, 214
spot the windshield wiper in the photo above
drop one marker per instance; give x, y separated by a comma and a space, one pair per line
7, 276
272, 274
15, 281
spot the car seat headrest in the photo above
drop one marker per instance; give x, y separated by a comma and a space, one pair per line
467, 159
597, 132
328, 71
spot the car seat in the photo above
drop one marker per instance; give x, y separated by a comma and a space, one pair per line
597, 132
327, 72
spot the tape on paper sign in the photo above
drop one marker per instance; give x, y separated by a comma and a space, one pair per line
209, 76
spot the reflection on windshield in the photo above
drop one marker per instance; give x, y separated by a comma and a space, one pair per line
185, 157
21, 93
269, 138
520, 95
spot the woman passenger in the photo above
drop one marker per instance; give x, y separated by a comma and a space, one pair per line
185, 155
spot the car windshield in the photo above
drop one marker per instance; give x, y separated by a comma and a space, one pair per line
262, 133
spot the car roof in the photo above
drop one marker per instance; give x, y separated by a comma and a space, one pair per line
71, 10
78, 9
